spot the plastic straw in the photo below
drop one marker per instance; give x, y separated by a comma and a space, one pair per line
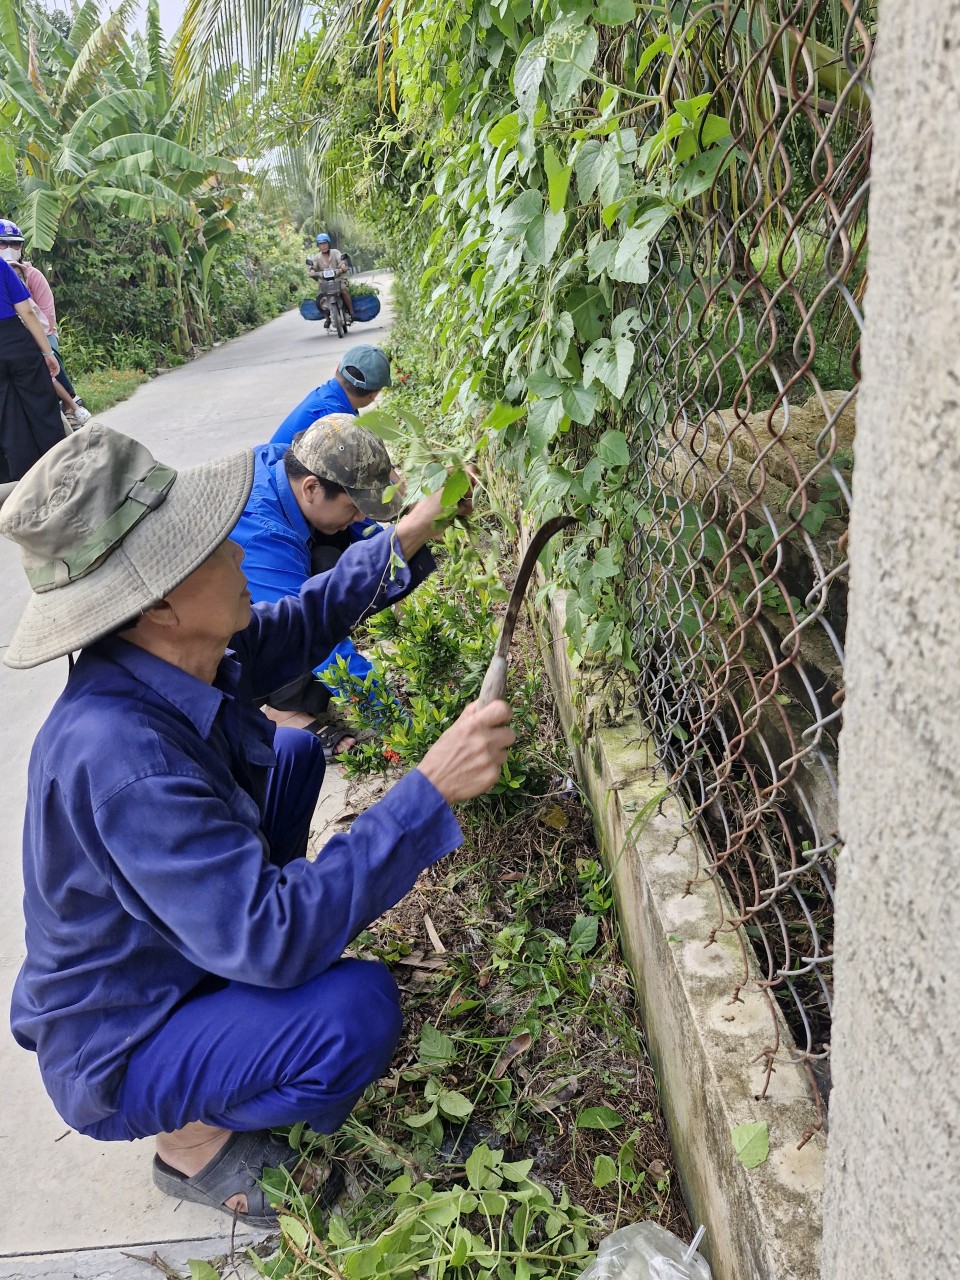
701, 1231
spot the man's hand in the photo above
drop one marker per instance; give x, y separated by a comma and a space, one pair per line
422, 521
466, 760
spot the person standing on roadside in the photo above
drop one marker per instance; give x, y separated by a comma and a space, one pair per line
11, 248
30, 421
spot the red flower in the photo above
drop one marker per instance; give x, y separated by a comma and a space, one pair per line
391, 756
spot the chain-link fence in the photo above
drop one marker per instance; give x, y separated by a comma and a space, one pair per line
742, 448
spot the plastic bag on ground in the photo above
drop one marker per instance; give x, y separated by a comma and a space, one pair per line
645, 1251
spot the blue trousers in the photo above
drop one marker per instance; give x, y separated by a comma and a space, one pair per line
248, 1057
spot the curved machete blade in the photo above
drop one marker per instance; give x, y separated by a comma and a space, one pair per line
530, 558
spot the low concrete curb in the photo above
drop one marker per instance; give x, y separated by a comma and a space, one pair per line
135, 1262
762, 1223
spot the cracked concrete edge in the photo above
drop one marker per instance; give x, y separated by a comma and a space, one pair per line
133, 1261
762, 1223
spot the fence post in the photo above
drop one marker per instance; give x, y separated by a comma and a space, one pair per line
891, 1202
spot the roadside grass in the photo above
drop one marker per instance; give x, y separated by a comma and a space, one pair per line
520, 1120
103, 388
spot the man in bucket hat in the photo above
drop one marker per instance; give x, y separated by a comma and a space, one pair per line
362, 373
183, 975
308, 504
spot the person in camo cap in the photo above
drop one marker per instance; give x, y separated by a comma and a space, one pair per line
184, 973
310, 503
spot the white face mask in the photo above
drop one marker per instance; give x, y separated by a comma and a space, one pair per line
12, 253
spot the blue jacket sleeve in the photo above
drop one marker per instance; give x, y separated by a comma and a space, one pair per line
289, 637
249, 920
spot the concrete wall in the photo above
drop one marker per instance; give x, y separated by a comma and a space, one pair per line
762, 1223
892, 1207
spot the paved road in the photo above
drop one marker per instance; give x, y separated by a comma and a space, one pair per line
61, 1192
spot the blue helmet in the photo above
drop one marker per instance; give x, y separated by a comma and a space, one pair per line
9, 230
323, 238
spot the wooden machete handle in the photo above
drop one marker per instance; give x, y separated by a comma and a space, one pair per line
494, 683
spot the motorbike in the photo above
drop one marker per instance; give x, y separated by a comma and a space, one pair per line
366, 306
330, 301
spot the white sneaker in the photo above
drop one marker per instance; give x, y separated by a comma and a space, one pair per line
82, 415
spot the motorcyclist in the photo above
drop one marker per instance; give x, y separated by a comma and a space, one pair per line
326, 257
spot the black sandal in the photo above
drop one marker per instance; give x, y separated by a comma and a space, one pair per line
237, 1169
330, 734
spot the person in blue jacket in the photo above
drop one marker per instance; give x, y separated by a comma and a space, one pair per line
361, 375
30, 421
184, 973
309, 503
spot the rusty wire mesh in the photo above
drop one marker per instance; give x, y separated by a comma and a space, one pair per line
742, 451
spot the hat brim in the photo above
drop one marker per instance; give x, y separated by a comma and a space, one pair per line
202, 507
371, 503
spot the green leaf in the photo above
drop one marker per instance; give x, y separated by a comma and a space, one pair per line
604, 565
609, 361
423, 1119
502, 415
295, 1231
543, 236
543, 423
588, 309
614, 13
599, 1118
573, 50
458, 484
541, 382
528, 75
700, 173
519, 213
516, 1170
200, 1270
435, 1047
454, 1105
507, 129
597, 168
751, 1142
580, 403
558, 178
481, 1167
583, 934
613, 450
382, 424
604, 1172
632, 260
662, 44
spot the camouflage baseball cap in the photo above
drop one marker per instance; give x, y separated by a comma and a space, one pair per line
337, 448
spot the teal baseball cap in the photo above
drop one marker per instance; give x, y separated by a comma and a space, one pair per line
365, 367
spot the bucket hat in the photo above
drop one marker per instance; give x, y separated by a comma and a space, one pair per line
336, 448
105, 531
365, 367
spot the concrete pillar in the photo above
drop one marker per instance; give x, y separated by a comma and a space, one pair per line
892, 1201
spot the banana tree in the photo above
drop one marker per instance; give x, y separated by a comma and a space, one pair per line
88, 118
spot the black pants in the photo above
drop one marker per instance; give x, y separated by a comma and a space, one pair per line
30, 421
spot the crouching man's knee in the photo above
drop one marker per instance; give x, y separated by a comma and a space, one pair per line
361, 1010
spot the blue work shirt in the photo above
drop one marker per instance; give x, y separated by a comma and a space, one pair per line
13, 290
329, 398
144, 866
275, 536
